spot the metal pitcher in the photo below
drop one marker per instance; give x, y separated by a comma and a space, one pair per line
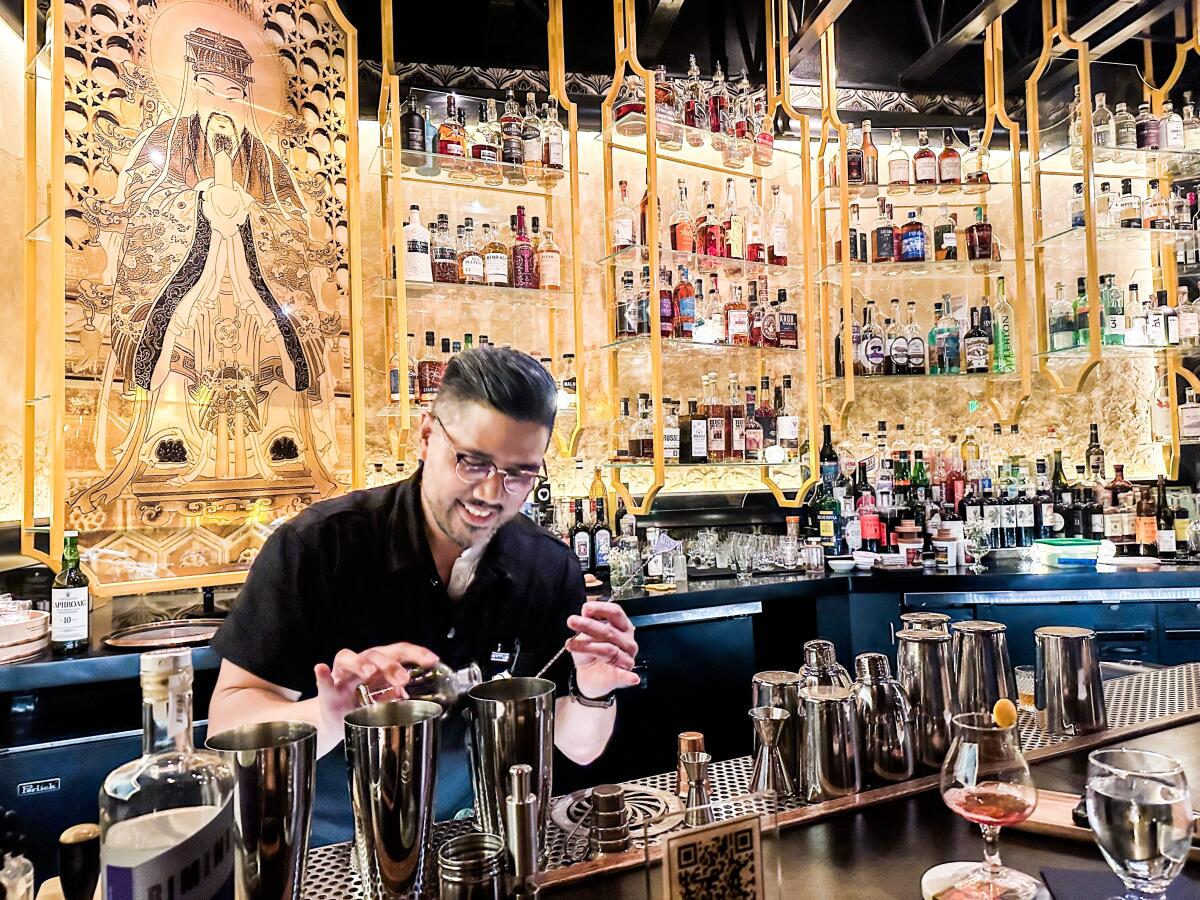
1069, 693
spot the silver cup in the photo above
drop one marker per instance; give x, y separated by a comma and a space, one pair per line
933, 621
1068, 693
781, 689
273, 767
512, 723
391, 756
831, 755
471, 867
884, 722
924, 671
982, 669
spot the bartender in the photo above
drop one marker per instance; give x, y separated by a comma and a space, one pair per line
441, 566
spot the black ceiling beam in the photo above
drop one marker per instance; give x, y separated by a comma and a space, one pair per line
952, 42
1136, 26
811, 29
654, 34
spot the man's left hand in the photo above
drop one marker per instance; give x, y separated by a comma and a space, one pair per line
603, 649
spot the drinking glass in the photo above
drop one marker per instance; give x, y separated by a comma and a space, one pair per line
986, 780
743, 555
978, 536
1139, 807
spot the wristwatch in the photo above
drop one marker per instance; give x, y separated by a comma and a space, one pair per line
604, 702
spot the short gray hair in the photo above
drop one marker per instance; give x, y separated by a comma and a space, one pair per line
509, 381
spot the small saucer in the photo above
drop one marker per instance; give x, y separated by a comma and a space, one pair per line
946, 875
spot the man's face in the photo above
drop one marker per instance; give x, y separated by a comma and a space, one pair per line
469, 514
216, 93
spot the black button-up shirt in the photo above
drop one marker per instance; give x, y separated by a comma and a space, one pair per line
356, 572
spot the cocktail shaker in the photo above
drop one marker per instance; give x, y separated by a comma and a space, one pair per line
924, 670
1069, 693
831, 753
770, 773
927, 619
982, 670
884, 722
781, 689
821, 667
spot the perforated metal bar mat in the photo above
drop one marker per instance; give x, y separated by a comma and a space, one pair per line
1131, 700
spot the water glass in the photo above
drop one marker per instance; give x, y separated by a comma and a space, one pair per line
743, 555
789, 552
1140, 810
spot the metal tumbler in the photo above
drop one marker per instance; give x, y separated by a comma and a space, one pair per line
924, 671
391, 756
273, 767
831, 755
933, 621
781, 689
512, 723
1069, 692
471, 867
982, 669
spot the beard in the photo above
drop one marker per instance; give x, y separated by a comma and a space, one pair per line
220, 139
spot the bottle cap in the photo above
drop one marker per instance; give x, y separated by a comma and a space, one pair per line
164, 663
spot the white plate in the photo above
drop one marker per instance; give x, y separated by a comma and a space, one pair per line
941, 877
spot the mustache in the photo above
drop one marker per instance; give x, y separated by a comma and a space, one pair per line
220, 142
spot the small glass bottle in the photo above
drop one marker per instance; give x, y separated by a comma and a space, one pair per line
1062, 320
1156, 213
1191, 124
979, 237
624, 220
667, 130
552, 146
629, 110
531, 139
870, 155
1148, 128
1075, 207
764, 134
754, 223
549, 263
899, 166
949, 163
1104, 130
975, 163
925, 164
777, 231
1127, 208
1170, 129
695, 112
718, 108
912, 239
1125, 126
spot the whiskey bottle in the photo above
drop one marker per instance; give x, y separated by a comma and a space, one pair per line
695, 111
418, 262
1146, 524
470, 260
683, 226
735, 422
581, 539
549, 263
444, 253
451, 141
975, 163
766, 416
945, 235
754, 223
552, 144
733, 225
737, 117
1104, 130
949, 162
523, 263
1165, 523
684, 312
899, 167
394, 373
412, 131
712, 233
485, 146
495, 258
667, 131
979, 237
685, 432
171, 807
737, 319
414, 390
769, 330
925, 164
666, 303
429, 371
1062, 320
698, 450
70, 602
912, 239
777, 231
754, 436
975, 346
787, 422
789, 324
764, 135
717, 435
512, 140
718, 107
531, 139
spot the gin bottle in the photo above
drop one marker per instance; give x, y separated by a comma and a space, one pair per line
1104, 130
1003, 352
1126, 130
171, 806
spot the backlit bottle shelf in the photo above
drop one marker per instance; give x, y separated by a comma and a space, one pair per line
1119, 352
1125, 163
910, 380
725, 464
637, 255
1072, 240
629, 133
641, 342
890, 271
954, 195
439, 292
443, 170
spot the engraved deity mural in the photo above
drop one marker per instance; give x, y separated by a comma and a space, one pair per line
211, 271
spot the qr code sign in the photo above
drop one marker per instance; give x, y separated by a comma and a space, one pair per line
722, 861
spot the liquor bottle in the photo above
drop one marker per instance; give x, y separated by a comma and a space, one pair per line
1125, 127
470, 260
868, 513
854, 158
735, 422
1126, 209
670, 431
666, 303
549, 263
945, 235
718, 106
429, 371
1170, 321
925, 164
1082, 313
895, 344
828, 457
765, 414
682, 227
752, 429
412, 130
1003, 349
1146, 524
667, 129
975, 163
581, 538
712, 232
495, 258
789, 326
693, 424
899, 168
733, 225
852, 234
1182, 524
1189, 417
949, 166
70, 603
684, 311
1075, 205
485, 146
523, 259
623, 220
756, 315
418, 262
1147, 128
1043, 503
1103, 204
531, 139
167, 809
737, 319
827, 510
552, 144
451, 140
870, 155
601, 540
884, 235
753, 225
1095, 452
695, 112
979, 237
1104, 130
912, 239
715, 410
777, 231
934, 345
621, 433
512, 140
1170, 128
949, 341
915, 351
737, 125
1062, 320
1156, 213
871, 351
1164, 523
444, 253
975, 346
787, 423
627, 318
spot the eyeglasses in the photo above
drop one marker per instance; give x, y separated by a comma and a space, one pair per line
472, 471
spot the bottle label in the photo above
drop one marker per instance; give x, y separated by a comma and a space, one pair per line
916, 353
716, 435
1181, 530
952, 169
394, 383
582, 542
699, 439
1025, 515
1146, 528
533, 146
779, 240
1114, 526
623, 232
1189, 325
737, 434
472, 266
202, 864
417, 263
1172, 329
671, 443
1008, 515
926, 168
912, 244
450, 148
872, 352
550, 266
898, 352
789, 330
1048, 515
735, 246
603, 546
869, 525
513, 144
827, 526
991, 515
898, 171
1166, 540
69, 614
885, 242
788, 428
553, 155
485, 153
495, 268
737, 323
977, 354
753, 234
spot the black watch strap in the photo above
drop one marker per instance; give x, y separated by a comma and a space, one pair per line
594, 702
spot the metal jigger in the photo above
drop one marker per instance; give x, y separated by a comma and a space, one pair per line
770, 773
699, 808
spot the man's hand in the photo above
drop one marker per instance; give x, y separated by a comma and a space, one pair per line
603, 649
376, 668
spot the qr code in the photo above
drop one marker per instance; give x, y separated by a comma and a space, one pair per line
717, 862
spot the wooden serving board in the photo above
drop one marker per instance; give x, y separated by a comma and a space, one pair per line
1053, 817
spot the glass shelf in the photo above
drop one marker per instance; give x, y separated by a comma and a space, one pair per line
629, 133
420, 291
968, 377
430, 168
889, 271
636, 255
39, 66
734, 464
1117, 351
642, 342
40, 231
967, 195
1111, 235
1133, 164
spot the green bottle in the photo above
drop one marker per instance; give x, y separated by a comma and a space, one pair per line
1003, 354
70, 602
829, 517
